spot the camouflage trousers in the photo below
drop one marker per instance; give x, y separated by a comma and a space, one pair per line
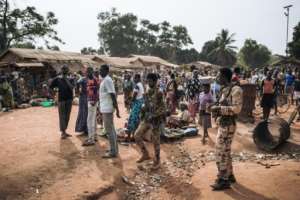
223, 151
139, 138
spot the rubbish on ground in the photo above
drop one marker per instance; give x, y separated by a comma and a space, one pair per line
47, 104
127, 181
267, 165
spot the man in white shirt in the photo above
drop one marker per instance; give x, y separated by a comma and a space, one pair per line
254, 78
108, 104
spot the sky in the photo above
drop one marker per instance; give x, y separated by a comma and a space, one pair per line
262, 20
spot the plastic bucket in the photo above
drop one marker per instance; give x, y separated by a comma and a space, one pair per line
47, 104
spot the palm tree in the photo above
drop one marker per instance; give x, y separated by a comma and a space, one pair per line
224, 54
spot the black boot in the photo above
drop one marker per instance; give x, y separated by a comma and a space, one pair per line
221, 184
232, 179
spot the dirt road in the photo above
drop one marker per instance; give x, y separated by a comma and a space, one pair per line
36, 164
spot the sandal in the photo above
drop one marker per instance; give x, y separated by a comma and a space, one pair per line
67, 135
88, 143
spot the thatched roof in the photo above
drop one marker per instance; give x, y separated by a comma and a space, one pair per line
75, 60
283, 60
3, 64
118, 62
152, 60
33, 65
132, 62
204, 65
49, 55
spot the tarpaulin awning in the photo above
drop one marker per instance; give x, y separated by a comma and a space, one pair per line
29, 65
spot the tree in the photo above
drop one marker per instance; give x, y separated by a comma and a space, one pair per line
294, 46
224, 54
147, 37
21, 26
181, 37
25, 45
187, 56
53, 48
118, 32
124, 34
171, 40
207, 48
254, 54
88, 51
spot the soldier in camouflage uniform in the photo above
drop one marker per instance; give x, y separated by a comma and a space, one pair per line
153, 115
230, 105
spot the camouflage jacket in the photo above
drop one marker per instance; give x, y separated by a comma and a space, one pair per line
154, 109
231, 101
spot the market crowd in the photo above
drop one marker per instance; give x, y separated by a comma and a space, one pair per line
155, 101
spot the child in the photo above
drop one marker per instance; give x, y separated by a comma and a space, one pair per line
206, 100
45, 91
182, 120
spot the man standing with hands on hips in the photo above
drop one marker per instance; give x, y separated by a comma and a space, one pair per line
230, 105
108, 104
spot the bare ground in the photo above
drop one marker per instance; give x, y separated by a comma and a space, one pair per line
36, 164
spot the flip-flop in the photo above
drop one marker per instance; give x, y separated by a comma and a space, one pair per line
85, 144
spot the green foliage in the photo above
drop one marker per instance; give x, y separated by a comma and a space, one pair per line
124, 34
207, 48
220, 51
147, 37
53, 48
118, 32
88, 51
92, 51
25, 45
224, 53
294, 46
254, 55
20, 26
186, 56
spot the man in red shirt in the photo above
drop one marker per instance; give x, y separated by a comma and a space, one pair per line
93, 98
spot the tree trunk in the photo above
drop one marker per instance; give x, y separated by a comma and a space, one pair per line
3, 36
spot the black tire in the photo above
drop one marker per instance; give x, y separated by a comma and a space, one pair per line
264, 139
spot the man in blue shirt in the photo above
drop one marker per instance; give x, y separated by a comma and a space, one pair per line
289, 82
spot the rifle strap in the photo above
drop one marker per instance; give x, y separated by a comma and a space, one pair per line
227, 95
